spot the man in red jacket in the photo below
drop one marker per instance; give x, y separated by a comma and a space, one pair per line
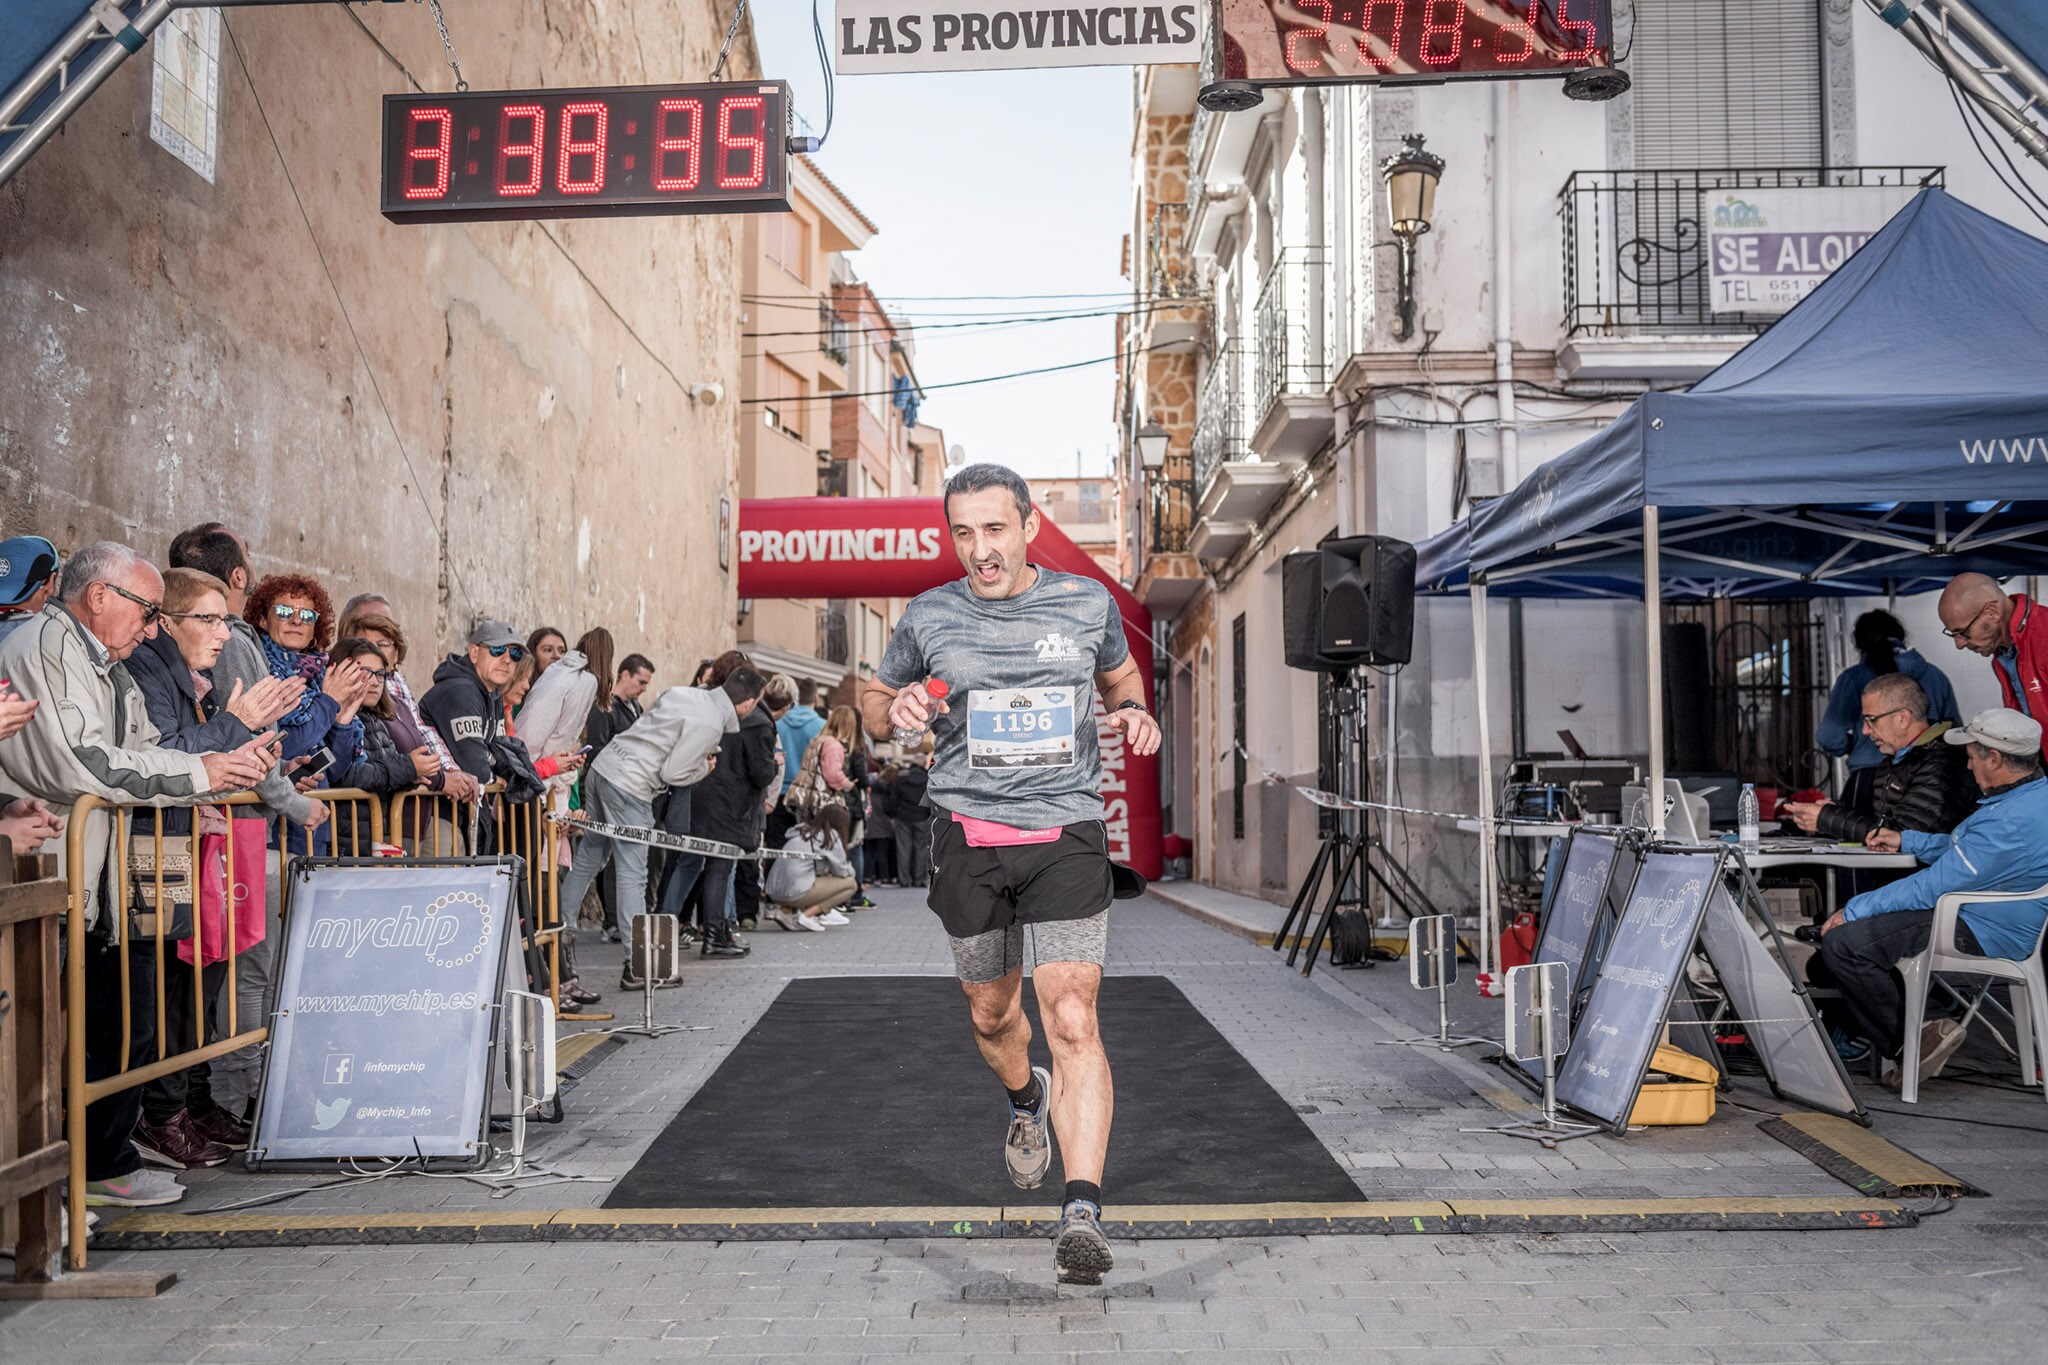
1978, 615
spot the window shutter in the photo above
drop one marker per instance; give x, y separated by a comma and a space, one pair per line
1735, 83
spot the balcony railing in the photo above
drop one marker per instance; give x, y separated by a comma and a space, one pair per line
1293, 327
833, 646
1635, 243
1220, 428
832, 332
1173, 508
1169, 269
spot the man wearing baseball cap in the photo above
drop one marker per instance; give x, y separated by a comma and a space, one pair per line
2003, 846
462, 704
28, 574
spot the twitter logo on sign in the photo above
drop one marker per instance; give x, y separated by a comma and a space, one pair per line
326, 1115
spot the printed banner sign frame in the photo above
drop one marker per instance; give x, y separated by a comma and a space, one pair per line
370, 945
898, 37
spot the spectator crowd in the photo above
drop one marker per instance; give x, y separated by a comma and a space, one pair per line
167, 689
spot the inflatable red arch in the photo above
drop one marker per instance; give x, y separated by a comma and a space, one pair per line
898, 547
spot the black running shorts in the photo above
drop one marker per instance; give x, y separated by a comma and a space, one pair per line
977, 890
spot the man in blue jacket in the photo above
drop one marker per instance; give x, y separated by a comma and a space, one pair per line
2002, 847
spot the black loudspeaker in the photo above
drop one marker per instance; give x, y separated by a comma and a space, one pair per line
1348, 602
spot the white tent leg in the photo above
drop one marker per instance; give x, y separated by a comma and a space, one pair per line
1653, 633
1489, 902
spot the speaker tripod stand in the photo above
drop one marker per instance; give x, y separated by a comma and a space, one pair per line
1351, 853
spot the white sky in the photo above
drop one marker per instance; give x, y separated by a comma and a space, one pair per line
1005, 182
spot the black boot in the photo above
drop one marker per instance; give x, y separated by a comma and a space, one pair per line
718, 942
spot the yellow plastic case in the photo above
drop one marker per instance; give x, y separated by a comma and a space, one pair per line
1679, 1089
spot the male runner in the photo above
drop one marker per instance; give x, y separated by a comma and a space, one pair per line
1017, 832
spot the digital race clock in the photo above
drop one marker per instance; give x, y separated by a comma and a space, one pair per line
606, 152
1293, 42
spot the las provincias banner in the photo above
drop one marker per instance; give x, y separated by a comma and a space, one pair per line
899, 547
884, 36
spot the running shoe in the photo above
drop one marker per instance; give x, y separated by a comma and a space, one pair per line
1939, 1041
1027, 1148
1850, 1050
139, 1189
1080, 1253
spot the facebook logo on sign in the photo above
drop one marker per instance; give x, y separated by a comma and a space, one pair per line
340, 1069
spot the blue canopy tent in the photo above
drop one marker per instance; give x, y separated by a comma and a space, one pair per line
1888, 432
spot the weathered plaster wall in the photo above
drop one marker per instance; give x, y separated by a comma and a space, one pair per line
515, 436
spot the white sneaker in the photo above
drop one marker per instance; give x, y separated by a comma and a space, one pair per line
812, 923
783, 920
138, 1189
833, 918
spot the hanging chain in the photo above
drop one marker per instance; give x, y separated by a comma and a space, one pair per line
731, 30
448, 45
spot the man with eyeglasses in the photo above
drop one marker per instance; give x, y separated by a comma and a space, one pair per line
1925, 784
93, 736
1978, 615
462, 704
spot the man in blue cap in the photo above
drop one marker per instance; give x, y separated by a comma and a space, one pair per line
28, 574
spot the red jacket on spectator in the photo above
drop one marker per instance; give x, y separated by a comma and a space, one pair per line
2030, 646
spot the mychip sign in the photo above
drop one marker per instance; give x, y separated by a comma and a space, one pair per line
386, 1011
878, 36
1768, 248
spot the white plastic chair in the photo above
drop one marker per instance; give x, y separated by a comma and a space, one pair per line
2029, 996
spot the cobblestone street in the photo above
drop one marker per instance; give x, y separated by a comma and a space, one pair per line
1391, 1115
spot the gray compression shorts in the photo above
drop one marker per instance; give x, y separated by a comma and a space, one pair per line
986, 957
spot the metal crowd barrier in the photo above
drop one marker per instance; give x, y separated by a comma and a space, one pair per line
344, 806
432, 824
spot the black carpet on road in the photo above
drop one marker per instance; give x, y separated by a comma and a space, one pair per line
855, 1091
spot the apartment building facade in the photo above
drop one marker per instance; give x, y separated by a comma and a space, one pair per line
1305, 392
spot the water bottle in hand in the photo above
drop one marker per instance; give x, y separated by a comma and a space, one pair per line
1746, 820
936, 689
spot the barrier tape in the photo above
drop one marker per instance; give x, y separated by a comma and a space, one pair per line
680, 843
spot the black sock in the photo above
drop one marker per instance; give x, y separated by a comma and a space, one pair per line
1030, 1097
1086, 1191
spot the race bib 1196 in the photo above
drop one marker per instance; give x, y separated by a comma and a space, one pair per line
1029, 727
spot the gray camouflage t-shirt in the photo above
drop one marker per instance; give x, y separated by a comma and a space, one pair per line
1018, 743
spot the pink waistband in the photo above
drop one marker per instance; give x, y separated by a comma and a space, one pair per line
989, 834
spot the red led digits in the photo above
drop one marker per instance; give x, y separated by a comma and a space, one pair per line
1305, 62
526, 149
689, 146
756, 147
573, 146
436, 156
1523, 28
1585, 30
1381, 53
1436, 33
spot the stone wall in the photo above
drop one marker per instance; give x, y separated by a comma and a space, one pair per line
488, 419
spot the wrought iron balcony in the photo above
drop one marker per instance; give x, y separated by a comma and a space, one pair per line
1293, 328
1172, 493
832, 333
833, 645
1635, 243
1220, 429
1169, 269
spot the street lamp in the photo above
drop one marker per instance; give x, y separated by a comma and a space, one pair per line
1410, 175
1152, 442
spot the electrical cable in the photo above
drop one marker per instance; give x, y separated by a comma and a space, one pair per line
1022, 320
320, 254
825, 67
2028, 196
959, 383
